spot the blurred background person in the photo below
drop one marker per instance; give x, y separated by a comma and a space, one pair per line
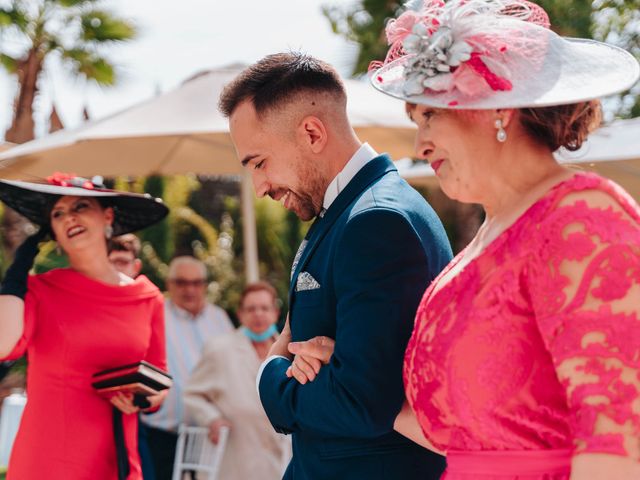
73, 322
221, 390
190, 320
124, 254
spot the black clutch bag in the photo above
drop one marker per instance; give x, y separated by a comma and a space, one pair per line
141, 378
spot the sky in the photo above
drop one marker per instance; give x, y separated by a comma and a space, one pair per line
178, 38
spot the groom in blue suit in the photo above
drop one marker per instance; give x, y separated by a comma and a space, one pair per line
358, 277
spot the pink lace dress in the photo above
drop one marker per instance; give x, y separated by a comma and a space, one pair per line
531, 354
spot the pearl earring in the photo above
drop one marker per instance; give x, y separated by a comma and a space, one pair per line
501, 136
108, 231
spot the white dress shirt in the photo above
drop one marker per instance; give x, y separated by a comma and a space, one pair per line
363, 155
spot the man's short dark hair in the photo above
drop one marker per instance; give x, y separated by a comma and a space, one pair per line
276, 78
125, 243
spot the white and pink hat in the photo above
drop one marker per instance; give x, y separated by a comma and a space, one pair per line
486, 54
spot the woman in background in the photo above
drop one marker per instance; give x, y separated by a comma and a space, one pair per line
221, 391
73, 322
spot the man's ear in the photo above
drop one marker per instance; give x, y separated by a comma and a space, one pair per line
137, 266
313, 133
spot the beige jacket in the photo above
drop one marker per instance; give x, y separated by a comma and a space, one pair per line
223, 384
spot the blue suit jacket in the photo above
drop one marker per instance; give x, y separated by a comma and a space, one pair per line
373, 254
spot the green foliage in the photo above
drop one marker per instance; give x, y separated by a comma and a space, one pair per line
160, 234
14, 16
75, 31
100, 26
570, 18
363, 22
87, 63
9, 63
618, 22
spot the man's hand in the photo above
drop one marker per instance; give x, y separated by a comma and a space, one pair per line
214, 429
280, 345
309, 358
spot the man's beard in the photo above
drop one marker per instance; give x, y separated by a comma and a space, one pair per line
304, 208
301, 202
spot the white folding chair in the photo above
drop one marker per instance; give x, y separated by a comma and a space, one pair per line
12, 408
195, 452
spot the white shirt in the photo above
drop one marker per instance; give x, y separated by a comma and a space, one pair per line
363, 155
185, 335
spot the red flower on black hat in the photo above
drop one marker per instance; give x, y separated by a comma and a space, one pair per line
61, 179
72, 180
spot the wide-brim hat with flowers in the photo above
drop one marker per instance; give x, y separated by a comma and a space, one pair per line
132, 211
489, 54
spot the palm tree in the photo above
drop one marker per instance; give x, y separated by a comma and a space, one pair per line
35, 35
74, 31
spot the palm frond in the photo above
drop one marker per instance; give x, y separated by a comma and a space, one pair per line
9, 63
74, 3
101, 26
14, 16
90, 65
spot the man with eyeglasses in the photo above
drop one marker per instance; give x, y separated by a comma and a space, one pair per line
190, 320
124, 253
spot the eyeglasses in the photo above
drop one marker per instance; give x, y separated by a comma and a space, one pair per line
183, 282
122, 262
258, 308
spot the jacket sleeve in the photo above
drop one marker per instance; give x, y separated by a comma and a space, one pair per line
380, 272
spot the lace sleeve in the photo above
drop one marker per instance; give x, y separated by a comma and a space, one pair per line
585, 289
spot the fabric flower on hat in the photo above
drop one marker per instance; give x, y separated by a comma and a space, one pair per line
398, 29
443, 50
72, 180
435, 58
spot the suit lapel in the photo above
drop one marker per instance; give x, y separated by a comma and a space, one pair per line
373, 170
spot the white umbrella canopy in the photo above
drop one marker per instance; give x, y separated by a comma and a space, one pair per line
182, 131
613, 151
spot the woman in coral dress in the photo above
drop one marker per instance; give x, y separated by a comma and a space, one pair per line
525, 358
73, 322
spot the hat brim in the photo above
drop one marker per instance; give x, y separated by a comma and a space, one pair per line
132, 211
578, 71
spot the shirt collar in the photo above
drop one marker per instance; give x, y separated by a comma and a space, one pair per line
362, 156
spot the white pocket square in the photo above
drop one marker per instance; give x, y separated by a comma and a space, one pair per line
305, 281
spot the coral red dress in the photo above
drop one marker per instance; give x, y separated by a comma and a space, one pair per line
513, 368
74, 327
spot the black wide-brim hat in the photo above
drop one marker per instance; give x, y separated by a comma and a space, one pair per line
132, 211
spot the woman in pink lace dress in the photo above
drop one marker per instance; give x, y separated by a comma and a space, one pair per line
525, 358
